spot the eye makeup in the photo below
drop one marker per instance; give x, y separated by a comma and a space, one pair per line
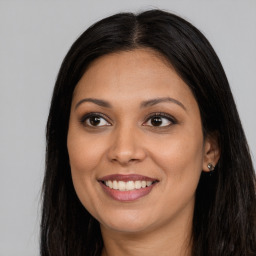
156, 120
160, 119
92, 119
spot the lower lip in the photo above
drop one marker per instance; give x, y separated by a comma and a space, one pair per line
126, 196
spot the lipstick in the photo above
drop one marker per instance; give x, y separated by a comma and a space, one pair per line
127, 187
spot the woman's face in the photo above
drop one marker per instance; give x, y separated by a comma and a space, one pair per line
135, 143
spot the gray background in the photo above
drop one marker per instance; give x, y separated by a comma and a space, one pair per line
35, 36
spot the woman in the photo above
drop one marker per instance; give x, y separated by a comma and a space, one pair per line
145, 150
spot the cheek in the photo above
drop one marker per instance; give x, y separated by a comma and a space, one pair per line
84, 152
180, 156
180, 161
84, 156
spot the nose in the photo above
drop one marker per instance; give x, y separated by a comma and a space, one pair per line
126, 146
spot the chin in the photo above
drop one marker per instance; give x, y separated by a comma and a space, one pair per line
126, 223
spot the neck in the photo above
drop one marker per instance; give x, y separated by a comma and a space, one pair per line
171, 241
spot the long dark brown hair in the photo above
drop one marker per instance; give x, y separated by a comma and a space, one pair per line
224, 215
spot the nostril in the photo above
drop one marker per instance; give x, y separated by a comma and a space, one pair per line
124, 159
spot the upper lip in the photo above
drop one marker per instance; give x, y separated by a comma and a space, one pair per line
124, 177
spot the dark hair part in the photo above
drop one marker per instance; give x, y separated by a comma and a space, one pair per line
224, 215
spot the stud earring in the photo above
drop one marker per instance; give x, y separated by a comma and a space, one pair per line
211, 167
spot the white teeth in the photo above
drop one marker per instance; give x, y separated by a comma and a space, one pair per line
137, 184
129, 185
121, 185
149, 183
143, 184
110, 183
115, 184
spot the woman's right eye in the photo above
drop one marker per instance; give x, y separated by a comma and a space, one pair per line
94, 120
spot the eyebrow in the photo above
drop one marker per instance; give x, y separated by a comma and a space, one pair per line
99, 102
152, 102
144, 104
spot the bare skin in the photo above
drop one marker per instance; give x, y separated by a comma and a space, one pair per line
152, 129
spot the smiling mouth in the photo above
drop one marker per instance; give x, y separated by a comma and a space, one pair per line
129, 185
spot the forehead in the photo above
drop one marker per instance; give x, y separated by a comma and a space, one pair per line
131, 75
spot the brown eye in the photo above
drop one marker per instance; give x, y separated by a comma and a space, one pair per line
94, 120
156, 121
160, 120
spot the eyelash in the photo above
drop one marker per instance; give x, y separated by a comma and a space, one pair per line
170, 118
93, 114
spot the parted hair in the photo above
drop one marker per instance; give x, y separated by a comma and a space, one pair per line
225, 204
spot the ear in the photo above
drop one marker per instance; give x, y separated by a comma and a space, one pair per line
211, 151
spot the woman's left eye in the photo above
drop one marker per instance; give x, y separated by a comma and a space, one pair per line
159, 120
